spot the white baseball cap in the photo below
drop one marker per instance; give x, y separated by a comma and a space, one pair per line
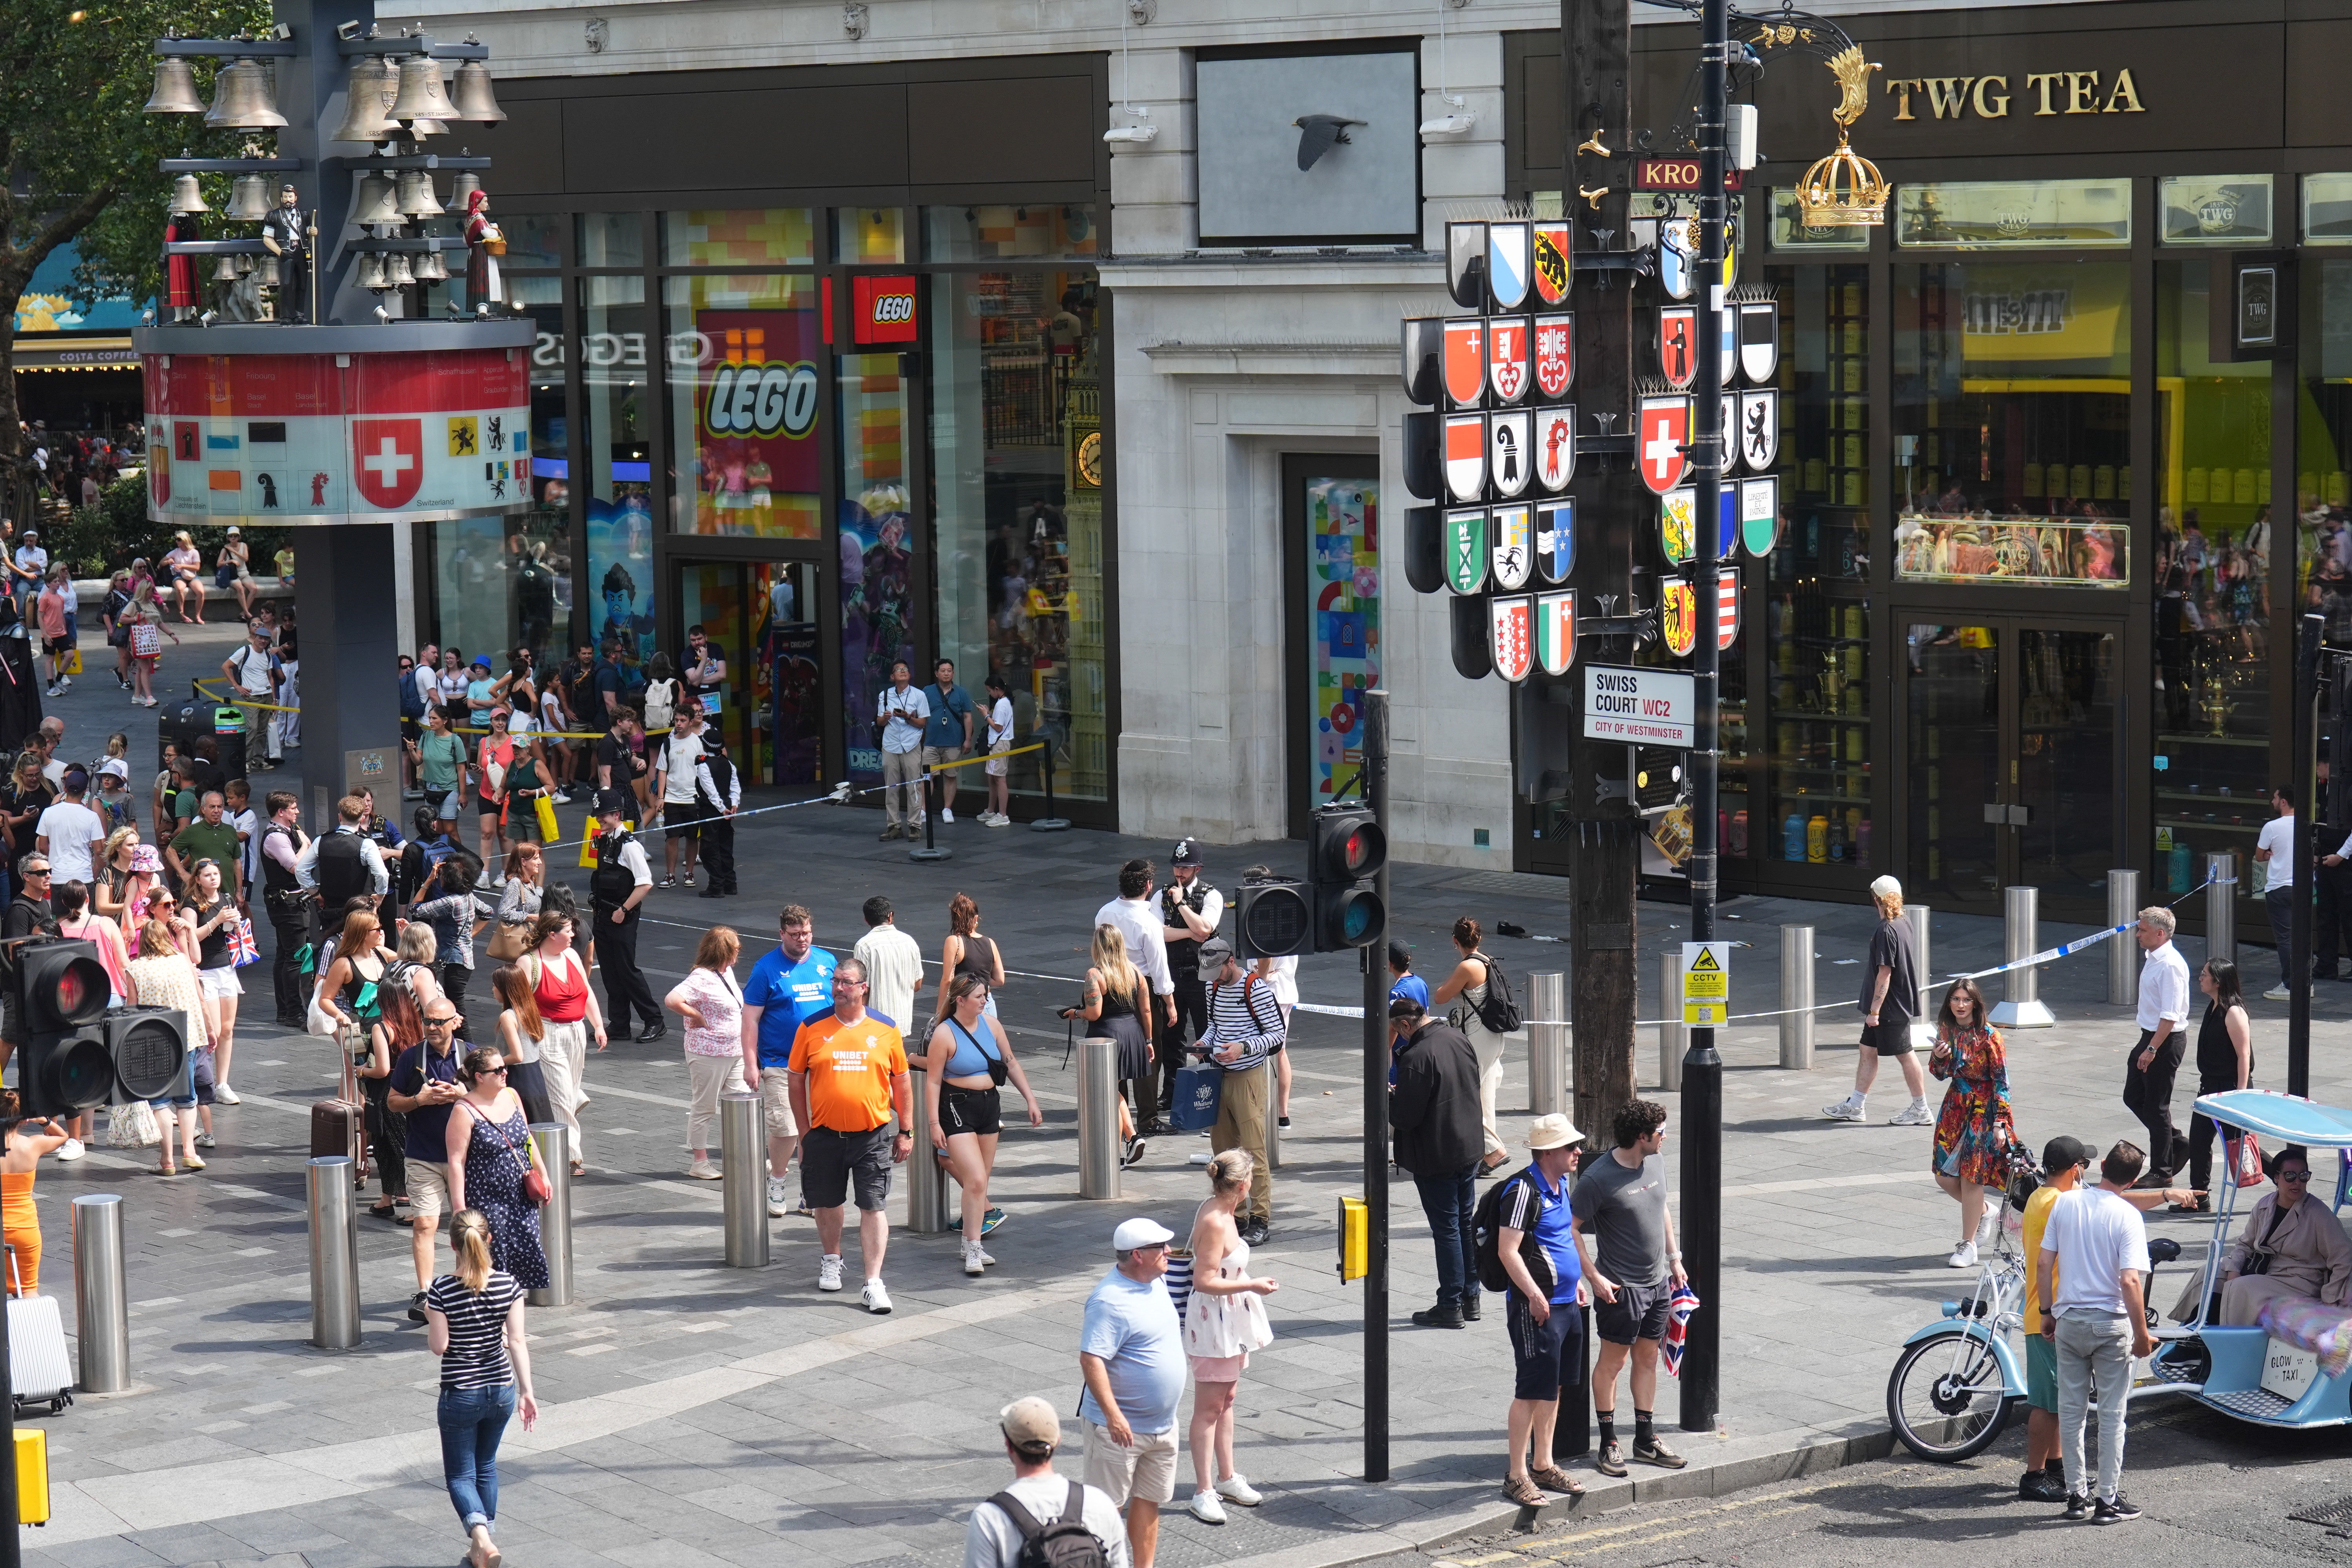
1885, 887
1139, 1232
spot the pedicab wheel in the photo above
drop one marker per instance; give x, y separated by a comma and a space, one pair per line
1947, 1399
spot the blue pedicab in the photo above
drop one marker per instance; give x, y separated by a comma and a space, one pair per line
1959, 1379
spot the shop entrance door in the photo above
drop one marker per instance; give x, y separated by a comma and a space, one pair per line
2010, 764
762, 616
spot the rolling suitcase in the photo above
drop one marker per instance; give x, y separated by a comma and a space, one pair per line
39, 1371
339, 1126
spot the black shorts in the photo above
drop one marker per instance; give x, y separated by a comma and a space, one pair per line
1890, 1037
830, 1160
412, 730
1547, 1355
682, 819
969, 1110
488, 807
1639, 1312
59, 645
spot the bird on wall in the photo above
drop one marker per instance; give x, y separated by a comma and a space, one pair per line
1317, 134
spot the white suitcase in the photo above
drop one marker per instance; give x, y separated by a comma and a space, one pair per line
40, 1371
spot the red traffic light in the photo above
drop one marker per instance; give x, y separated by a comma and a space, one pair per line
62, 984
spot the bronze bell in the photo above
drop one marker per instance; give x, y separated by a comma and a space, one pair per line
371, 274
188, 195
225, 271
249, 199
462, 186
421, 96
428, 268
378, 202
372, 82
242, 99
471, 92
416, 193
265, 272
396, 269
175, 89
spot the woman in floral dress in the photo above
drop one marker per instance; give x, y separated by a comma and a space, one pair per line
489, 1149
1974, 1131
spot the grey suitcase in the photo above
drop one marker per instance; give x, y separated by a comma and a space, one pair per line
40, 1371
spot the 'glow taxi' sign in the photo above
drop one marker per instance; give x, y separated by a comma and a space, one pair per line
1654, 707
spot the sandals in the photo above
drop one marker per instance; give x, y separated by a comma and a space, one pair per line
383, 1210
1523, 1491
1551, 1478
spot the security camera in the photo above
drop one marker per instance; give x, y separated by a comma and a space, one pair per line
1450, 125
1131, 134
347, 30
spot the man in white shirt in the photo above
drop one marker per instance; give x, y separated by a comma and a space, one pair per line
2098, 1320
993, 1539
894, 972
252, 671
900, 714
2163, 1010
68, 830
681, 804
2275, 852
1138, 920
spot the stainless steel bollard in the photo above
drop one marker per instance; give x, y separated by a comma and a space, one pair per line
2020, 1006
2123, 952
1099, 1147
552, 1142
2221, 905
1797, 992
927, 1178
1673, 1038
743, 1178
1272, 1113
334, 1253
1548, 1088
101, 1304
1923, 1031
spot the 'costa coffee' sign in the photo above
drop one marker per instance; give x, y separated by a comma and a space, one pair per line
882, 310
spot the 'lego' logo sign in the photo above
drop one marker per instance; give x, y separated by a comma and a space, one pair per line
883, 309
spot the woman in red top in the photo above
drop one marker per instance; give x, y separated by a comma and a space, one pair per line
559, 984
497, 760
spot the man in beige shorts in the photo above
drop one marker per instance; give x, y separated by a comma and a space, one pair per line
422, 1087
1131, 1355
789, 986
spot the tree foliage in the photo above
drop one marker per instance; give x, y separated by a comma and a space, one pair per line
80, 152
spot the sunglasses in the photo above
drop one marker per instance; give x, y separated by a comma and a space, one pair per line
36, 870
2293, 1177
441, 1022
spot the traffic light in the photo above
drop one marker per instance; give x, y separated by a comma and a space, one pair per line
1345, 851
149, 1049
1273, 921
65, 1066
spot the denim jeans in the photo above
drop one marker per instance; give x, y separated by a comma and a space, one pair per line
472, 1421
2279, 904
1448, 1200
2094, 1346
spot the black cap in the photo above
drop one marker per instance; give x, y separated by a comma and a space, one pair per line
2062, 1153
613, 803
1186, 853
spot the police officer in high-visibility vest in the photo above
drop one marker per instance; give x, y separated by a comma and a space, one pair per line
622, 879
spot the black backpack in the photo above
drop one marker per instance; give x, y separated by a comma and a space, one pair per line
1064, 1543
1487, 1237
1500, 1011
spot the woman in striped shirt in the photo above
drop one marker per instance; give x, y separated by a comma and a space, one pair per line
474, 1322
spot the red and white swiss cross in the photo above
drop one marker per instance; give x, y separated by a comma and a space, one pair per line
387, 460
1659, 440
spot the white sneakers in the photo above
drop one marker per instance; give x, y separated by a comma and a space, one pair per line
776, 1211
226, 1095
71, 1150
873, 1298
1963, 1256
1846, 1109
1207, 1509
974, 1261
946, 814
704, 1170
1989, 1227
994, 819
2278, 993
1914, 1114
1235, 1488
828, 1272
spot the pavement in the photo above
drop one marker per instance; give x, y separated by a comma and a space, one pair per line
695, 1415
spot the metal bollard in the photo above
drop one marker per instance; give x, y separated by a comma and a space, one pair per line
1916, 916
1673, 1038
927, 1177
2020, 1006
1797, 992
2123, 952
102, 1306
1100, 1149
1272, 1113
552, 1142
334, 1253
1547, 1090
2221, 905
743, 1172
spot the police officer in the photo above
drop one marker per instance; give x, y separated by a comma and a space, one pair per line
622, 879
1191, 912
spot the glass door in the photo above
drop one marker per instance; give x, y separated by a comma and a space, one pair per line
762, 615
2011, 775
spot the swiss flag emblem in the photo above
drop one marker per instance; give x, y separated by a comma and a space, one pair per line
1664, 428
388, 460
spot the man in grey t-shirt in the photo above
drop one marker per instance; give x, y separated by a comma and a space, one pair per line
1625, 1238
1888, 1003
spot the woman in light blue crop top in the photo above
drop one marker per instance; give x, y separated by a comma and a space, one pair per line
967, 1057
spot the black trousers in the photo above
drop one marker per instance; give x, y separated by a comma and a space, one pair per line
2202, 1131
2330, 933
2147, 1094
718, 853
286, 966
454, 979
387, 1136
626, 991
1192, 1001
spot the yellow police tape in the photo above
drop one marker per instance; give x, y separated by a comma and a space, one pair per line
984, 756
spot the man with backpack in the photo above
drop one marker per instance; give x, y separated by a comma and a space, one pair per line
1244, 1030
1532, 1240
1041, 1520
1433, 1115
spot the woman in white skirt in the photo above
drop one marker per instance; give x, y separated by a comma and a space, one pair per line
1468, 984
211, 919
1223, 1321
559, 982
711, 1003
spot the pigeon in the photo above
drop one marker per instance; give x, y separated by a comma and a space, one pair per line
1316, 133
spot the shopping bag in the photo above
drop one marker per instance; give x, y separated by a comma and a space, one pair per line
241, 948
2245, 1154
132, 1126
146, 639
73, 662
588, 845
545, 810
1199, 1088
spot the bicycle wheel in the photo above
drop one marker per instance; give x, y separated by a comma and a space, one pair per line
1947, 1399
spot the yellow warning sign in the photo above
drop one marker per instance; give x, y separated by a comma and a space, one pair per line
1706, 983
